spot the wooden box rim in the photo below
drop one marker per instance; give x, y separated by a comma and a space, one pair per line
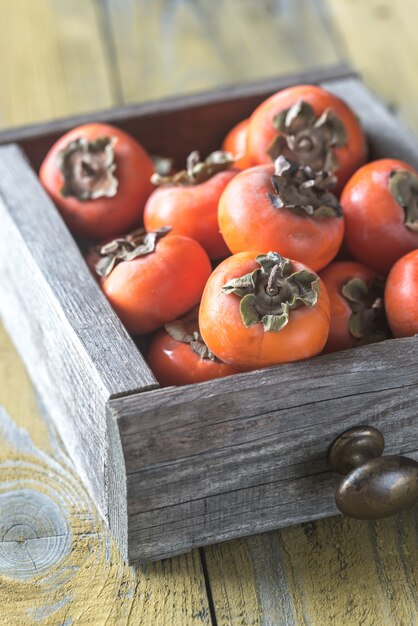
146, 405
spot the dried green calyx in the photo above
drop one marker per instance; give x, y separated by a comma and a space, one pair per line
308, 139
178, 330
272, 291
403, 186
88, 168
136, 244
197, 171
367, 322
302, 190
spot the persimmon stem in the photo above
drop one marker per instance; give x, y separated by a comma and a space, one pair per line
272, 288
86, 169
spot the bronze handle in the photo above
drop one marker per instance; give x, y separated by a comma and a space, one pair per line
375, 486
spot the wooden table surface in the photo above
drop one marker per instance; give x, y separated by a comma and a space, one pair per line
58, 563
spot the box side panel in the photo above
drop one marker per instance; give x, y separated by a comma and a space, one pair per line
388, 138
187, 123
76, 350
49, 350
220, 460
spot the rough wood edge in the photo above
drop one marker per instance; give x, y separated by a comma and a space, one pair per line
117, 485
232, 92
129, 407
94, 364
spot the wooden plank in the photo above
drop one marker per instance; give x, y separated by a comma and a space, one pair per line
193, 45
201, 120
379, 39
54, 60
328, 572
212, 462
75, 347
59, 564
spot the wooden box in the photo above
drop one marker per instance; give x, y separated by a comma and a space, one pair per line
182, 467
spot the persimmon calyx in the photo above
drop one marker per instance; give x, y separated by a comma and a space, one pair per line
308, 139
403, 186
88, 168
197, 171
178, 331
367, 321
136, 244
302, 190
271, 292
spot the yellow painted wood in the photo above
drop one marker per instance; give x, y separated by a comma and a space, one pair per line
165, 48
58, 562
53, 60
332, 572
380, 39
17, 395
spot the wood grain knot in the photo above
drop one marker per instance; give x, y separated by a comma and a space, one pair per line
34, 533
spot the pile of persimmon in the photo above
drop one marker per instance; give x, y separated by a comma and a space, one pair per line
279, 246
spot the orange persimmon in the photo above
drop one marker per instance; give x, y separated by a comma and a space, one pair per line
152, 279
401, 296
178, 356
380, 205
262, 309
236, 143
188, 201
289, 209
357, 310
311, 126
99, 178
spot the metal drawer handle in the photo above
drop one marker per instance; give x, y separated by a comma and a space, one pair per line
375, 486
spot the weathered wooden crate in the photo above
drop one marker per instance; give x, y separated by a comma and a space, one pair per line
182, 467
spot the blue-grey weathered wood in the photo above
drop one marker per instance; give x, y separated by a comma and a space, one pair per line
247, 453
77, 352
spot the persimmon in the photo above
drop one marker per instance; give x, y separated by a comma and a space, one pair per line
380, 204
188, 201
262, 309
401, 296
288, 208
311, 126
357, 309
178, 355
150, 279
99, 178
236, 143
